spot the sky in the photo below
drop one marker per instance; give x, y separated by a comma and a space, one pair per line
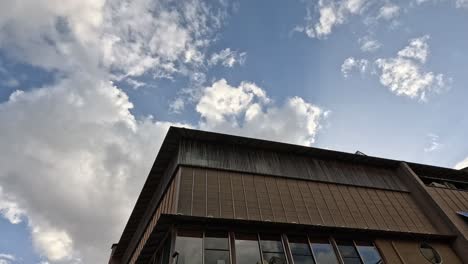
88, 89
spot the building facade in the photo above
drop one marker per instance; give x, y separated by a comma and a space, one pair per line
219, 199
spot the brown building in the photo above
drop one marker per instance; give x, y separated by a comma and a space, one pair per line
220, 199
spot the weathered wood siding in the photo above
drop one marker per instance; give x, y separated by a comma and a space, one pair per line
231, 157
451, 202
166, 206
223, 194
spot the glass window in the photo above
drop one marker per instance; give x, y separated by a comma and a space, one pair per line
272, 249
300, 250
189, 246
247, 250
430, 253
216, 248
323, 251
368, 252
348, 252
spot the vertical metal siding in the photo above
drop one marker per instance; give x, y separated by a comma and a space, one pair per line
268, 198
451, 202
241, 159
165, 207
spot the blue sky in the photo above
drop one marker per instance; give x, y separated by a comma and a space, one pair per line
89, 88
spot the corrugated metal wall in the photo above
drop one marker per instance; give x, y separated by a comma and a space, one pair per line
167, 206
452, 201
236, 158
216, 193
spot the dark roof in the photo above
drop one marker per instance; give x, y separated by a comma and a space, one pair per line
175, 134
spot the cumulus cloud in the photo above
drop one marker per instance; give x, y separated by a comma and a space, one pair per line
404, 74
247, 110
128, 37
330, 15
368, 44
227, 58
86, 152
7, 258
351, 64
388, 11
462, 164
461, 3
74, 146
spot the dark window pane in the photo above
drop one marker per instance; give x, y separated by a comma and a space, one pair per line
271, 243
323, 252
247, 250
216, 241
189, 246
352, 261
216, 257
430, 253
369, 254
298, 259
347, 249
299, 246
274, 258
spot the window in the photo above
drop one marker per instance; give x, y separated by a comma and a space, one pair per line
189, 247
216, 248
323, 251
272, 249
430, 253
369, 254
348, 252
247, 250
300, 250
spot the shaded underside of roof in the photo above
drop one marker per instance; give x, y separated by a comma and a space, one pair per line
170, 147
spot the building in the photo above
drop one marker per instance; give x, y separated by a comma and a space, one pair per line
219, 199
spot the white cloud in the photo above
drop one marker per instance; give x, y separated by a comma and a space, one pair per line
177, 105
434, 143
461, 3
350, 64
128, 37
389, 11
228, 58
74, 148
330, 14
417, 49
7, 258
462, 164
404, 74
247, 110
369, 44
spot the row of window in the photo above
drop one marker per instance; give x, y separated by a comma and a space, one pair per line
193, 247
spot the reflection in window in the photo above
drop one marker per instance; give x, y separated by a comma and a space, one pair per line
368, 252
189, 246
300, 250
323, 252
348, 252
216, 248
430, 253
272, 249
247, 250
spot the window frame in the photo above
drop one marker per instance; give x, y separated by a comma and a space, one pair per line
283, 238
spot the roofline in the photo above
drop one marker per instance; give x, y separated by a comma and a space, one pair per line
174, 135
